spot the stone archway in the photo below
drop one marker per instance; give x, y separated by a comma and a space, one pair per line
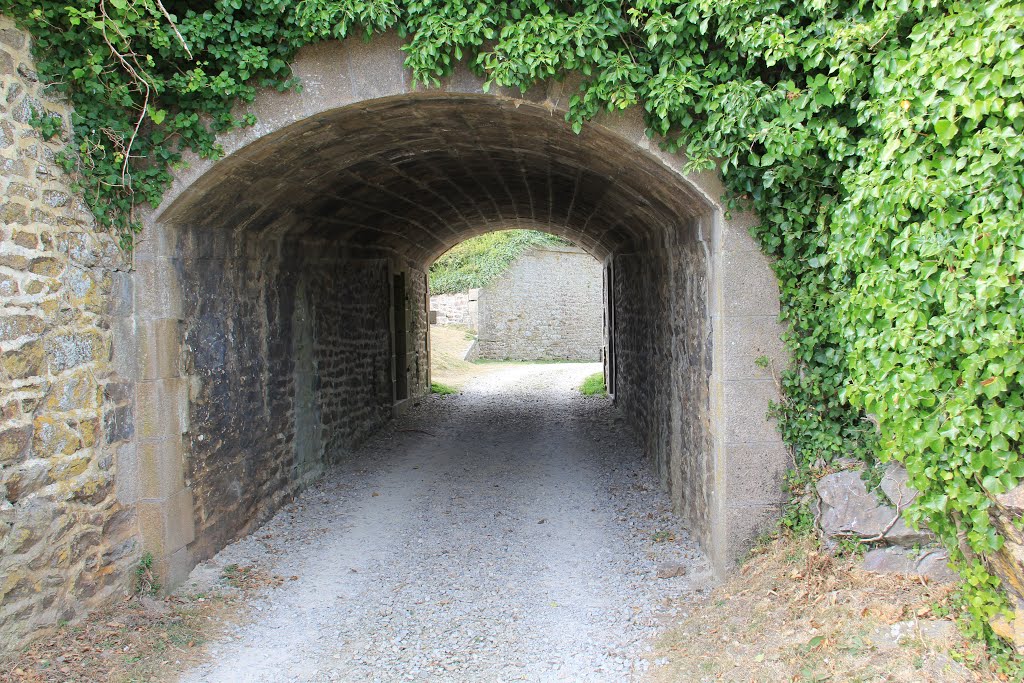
263, 309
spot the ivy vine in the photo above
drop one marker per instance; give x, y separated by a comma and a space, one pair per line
880, 141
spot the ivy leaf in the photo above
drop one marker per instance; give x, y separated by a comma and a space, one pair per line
945, 130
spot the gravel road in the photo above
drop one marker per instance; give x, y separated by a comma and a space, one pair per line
512, 532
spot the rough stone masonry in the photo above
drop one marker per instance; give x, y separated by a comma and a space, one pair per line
66, 540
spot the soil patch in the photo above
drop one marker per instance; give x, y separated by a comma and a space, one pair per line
794, 612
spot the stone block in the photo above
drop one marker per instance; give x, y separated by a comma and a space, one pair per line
22, 238
755, 473
380, 65
9, 287
746, 411
180, 524
153, 527
160, 408
159, 240
326, 82
159, 349
13, 213
47, 266
69, 468
74, 391
896, 487
118, 392
157, 289
20, 325
1012, 500
14, 444
127, 479
122, 290
747, 338
743, 525
178, 567
26, 479
1011, 629
119, 424
124, 347
23, 362
67, 350
89, 430
749, 286
462, 80
736, 235
161, 472
849, 509
930, 563
166, 525
53, 436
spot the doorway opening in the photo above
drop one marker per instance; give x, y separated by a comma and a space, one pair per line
513, 297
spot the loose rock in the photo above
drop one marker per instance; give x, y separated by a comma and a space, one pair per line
849, 509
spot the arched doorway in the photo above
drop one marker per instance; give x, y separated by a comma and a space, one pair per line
282, 287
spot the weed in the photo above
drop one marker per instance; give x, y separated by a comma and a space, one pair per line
145, 579
594, 385
852, 546
233, 575
442, 389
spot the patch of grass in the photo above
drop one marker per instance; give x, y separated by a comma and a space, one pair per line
442, 389
594, 385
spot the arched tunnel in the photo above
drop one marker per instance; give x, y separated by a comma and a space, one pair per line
290, 317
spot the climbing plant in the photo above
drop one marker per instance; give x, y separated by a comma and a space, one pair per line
880, 141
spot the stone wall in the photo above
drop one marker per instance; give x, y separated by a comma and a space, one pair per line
66, 543
353, 358
418, 325
288, 359
459, 308
546, 306
663, 364
240, 332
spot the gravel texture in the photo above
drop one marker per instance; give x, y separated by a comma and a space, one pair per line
512, 532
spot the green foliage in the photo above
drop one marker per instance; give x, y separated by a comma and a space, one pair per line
145, 577
478, 260
880, 143
49, 125
442, 389
593, 385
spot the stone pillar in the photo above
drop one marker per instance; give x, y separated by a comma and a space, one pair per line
165, 511
750, 457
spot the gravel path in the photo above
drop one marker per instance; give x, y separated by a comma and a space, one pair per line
508, 533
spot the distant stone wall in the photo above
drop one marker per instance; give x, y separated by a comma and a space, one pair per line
459, 308
66, 543
546, 306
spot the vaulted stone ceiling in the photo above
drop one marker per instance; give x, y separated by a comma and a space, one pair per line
418, 174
